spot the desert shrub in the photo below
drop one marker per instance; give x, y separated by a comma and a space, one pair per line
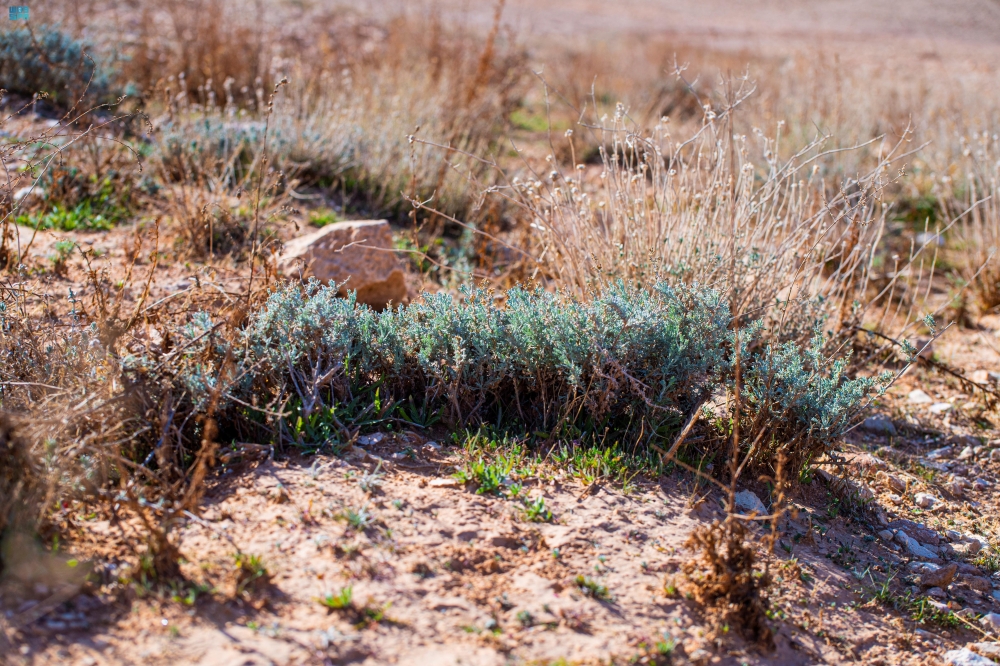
543, 358
787, 241
51, 62
627, 359
799, 403
222, 177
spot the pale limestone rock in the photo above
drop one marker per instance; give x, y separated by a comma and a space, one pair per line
750, 503
940, 577
965, 657
357, 253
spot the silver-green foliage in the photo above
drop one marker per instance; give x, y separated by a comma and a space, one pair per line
626, 357
805, 400
49, 61
540, 356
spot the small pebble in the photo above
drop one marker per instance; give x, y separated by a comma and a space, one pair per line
943, 452
750, 503
940, 407
926, 500
968, 548
918, 397
985, 649
991, 621
965, 657
370, 440
879, 425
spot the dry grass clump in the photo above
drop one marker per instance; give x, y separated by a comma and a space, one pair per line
221, 187
713, 208
975, 239
358, 88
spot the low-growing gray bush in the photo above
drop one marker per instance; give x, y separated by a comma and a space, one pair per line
542, 358
632, 361
799, 403
50, 61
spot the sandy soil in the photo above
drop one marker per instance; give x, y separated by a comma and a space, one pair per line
465, 578
966, 26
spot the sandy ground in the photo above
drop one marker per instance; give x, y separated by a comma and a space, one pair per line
464, 578
967, 26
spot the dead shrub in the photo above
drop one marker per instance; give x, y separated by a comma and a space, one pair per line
722, 576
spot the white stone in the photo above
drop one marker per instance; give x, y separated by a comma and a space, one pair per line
943, 452
925, 500
371, 440
913, 547
879, 425
444, 483
940, 407
34, 191
922, 567
991, 621
989, 650
965, 657
985, 377
356, 255
918, 397
750, 503
968, 548
892, 481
